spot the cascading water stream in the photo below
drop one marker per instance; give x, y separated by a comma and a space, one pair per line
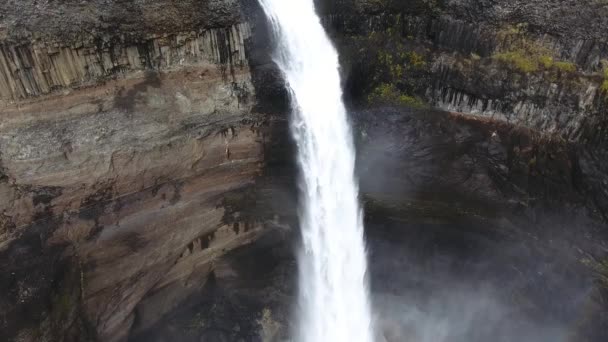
334, 304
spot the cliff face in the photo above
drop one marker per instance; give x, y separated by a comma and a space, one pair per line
141, 141
540, 64
129, 154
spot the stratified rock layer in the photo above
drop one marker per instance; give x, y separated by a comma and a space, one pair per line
126, 155
137, 148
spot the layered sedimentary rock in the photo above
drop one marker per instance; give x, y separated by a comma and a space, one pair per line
136, 148
129, 152
476, 230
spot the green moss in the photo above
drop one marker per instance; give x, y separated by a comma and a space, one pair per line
527, 61
384, 93
412, 101
604, 86
600, 268
417, 61
519, 60
565, 66
389, 94
400, 60
526, 54
546, 61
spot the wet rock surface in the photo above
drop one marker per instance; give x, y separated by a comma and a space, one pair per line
455, 256
494, 59
147, 180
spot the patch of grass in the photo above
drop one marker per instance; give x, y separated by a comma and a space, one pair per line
546, 61
391, 80
399, 62
389, 94
604, 86
412, 101
415, 60
527, 62
565, 66
519, 60
526, 54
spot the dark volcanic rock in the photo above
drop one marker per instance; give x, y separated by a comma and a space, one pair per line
500, 59
71, 21
143, 141
468, 241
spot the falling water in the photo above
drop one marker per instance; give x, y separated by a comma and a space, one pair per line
334, 303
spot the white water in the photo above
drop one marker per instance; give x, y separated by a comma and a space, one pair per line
334, 303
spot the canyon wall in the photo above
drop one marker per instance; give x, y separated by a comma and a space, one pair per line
130, 159
140, 141
540, 64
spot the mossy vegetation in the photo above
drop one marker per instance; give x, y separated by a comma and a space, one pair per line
527, 62
520, 60
394, 71
546, 61
528, 55
567, 67
604, 86
389, 94
397, 63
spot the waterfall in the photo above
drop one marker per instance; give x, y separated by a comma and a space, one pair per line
333, 300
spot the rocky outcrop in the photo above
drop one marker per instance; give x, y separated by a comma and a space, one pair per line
144, 143
129, 153
476, 230
514, 61
39, 68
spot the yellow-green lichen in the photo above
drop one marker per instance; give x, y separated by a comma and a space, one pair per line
565, 66
400, 60
526, 54
546, 61
415, 60
604, 86
389, 94
519, 60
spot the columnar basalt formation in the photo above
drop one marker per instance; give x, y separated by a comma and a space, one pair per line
137, 148
543, 65
40, 68
128, 157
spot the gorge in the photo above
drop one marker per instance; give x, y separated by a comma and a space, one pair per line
148, 175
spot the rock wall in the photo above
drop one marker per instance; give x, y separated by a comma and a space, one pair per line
129, 155
137, 148
30, 70
512, 61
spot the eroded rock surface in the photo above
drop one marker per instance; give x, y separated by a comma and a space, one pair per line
143, 141
129, 153
541, 64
